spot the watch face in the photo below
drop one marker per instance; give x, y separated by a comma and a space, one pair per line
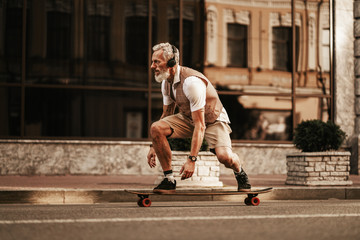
193, 158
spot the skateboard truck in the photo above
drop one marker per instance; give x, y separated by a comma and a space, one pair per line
144, 200
252, 199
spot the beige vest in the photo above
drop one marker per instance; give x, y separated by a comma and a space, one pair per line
213, 105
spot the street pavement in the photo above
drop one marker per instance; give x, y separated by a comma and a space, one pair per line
295, 220
72, 189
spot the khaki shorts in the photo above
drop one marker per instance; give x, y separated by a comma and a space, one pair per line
217, 134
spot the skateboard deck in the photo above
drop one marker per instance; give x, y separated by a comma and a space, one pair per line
251, 199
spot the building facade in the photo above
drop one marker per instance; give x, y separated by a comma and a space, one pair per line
76, 73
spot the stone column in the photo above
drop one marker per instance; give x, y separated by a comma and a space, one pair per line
207, 170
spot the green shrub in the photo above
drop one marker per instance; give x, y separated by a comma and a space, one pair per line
318, 136
184, 144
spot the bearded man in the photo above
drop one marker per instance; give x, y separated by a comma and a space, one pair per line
201, 115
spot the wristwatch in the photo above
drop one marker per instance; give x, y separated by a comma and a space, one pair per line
193, 158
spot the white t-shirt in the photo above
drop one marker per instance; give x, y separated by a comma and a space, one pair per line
195, 90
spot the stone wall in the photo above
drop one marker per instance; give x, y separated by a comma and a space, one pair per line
318, 168
260, 158
53, 157
56, 157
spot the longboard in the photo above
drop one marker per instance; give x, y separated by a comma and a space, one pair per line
251, 199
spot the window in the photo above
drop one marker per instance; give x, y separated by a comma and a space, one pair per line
237, 45
98, 31
58, 35
282, 48
98, 37
13, 35
137, 40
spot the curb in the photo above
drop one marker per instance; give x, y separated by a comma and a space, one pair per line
92, 196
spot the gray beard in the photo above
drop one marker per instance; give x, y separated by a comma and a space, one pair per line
162, 76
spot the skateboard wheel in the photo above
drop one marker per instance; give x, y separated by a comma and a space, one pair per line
139, 203
247, 201
255, 201
146, 202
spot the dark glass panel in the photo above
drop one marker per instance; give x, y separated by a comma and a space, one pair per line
80, 113
11, 29
10, 111
51, 44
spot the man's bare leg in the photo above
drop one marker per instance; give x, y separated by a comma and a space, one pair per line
227, 157
231, 160
159, 132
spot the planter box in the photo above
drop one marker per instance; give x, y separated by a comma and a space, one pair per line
318, 168
207, 170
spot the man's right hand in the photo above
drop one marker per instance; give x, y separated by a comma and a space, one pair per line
151, 157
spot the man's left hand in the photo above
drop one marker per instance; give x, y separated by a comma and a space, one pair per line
187, 169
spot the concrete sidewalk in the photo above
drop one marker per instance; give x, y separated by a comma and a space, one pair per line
101, 189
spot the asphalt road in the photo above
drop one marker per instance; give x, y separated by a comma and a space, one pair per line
328, 219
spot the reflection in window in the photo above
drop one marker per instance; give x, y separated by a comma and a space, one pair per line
311, 108
11, 32
137, 33
58, 44
10, 104
188, 32
188, 36
174, 31
82, 113
103, 45
281, 46
237, 45
13, 35
258, 118
172, 14
136, 40
187, 39
98, 31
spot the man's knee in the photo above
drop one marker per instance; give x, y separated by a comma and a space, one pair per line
225, 156
160, 128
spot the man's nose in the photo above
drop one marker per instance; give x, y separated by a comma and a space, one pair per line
152, 65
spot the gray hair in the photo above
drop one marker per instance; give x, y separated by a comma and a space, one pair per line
167, 51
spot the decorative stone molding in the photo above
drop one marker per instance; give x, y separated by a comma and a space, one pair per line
277, 19
232, 16
276, 4
318, 168
312, 41
211, 36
